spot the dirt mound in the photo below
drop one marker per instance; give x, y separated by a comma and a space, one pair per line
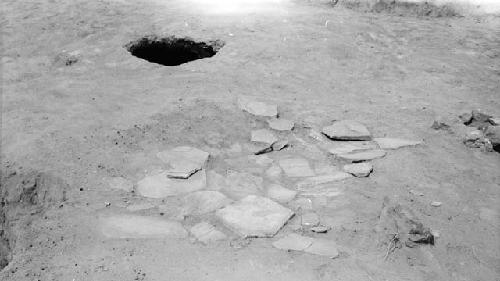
24, 193
402, 8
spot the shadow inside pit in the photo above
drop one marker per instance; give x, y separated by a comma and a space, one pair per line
172, 51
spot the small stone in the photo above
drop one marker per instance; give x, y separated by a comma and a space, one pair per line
363, 155
310, 219
436, 204
206, 233
493, 135
394, 143
296, 167
202, 202
416, 193
323, 247
120, 183
274, 172
263, 136
257, 108
255, 216
320, 229
293, 242
279, 145
359, 170
440, 124
466, 118
160, 185
280, 124
132, 226
280, 194
241, 184
495, 121
322, 179
474, 135
480, 117
184, 161
347, 130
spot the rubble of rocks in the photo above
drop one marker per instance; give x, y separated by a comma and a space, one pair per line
486, 134
274, 176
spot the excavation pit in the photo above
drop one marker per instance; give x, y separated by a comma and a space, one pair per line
172, 51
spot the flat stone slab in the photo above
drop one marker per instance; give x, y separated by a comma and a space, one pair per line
347, 130
363, 155
241, 184
202, 202
257, 108
323, 247
322, 179
133, 226
280, 194
351, 146
395, 143
120, 183
280, 124
293, 242
316, 246
255, 216
207, 233
184, 160
359, 170
296, 167
160, 185
279, 145
264, 136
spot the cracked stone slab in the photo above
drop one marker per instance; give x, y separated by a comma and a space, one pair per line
207, 233
184, 161
359, 170
205, 201
347, 130
322, 179
280, 194
293, 242
255, 216
133, 226
296, 167
257, 108
241, 184
395, 143
323, 247
160, 185
264, 136
280, 124
351, 146
362, 155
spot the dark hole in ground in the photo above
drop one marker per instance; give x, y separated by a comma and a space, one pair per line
172, 51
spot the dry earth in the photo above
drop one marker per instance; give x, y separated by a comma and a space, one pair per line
78, 108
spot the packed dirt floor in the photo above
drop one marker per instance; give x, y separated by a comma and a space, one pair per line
78, 108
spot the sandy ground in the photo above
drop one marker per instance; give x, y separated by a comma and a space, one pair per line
109, 113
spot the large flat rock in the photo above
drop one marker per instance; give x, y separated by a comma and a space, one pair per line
336, 148
293, 242
264, 136
322, 179
296, 167
205, 201
280, 193
160, 185
133, 226
347, 130
280, 124
255, 216
241, 184
257, 108
207, 233
183, 160
395, 143
362, 155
